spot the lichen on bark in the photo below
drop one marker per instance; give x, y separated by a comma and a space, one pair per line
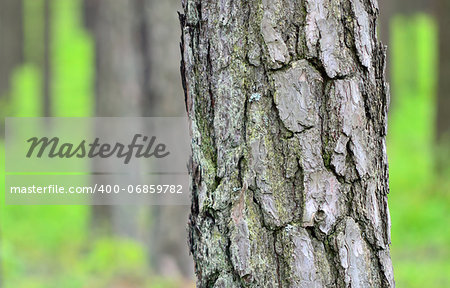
287, 103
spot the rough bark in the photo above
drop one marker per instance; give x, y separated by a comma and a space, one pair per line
287, 103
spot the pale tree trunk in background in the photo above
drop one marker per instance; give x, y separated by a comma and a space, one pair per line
138, 74
11, 55
386, 9
169, 255
165, 80
121, 61
288, 104
11, 43
47, 62
443, 103
390, 8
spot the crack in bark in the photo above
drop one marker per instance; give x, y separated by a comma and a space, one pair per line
227, 56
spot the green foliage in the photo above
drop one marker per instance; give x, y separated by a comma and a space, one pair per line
125, 256
25, 94
72, 62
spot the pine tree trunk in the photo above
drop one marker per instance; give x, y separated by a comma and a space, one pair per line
287, 102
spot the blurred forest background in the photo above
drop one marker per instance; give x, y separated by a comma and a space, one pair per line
121, 58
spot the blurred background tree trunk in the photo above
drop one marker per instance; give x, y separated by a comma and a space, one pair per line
11, 44
47, 60
443, 103
169, 253
121, 61
391, 8
288, 108
11, 56
137, 57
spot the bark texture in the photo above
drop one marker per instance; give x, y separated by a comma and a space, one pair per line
288, 105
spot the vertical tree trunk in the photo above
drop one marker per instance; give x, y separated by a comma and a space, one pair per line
47, 60
288, 104
137, 66
169, 255
121, 58
443, 117
11, 44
